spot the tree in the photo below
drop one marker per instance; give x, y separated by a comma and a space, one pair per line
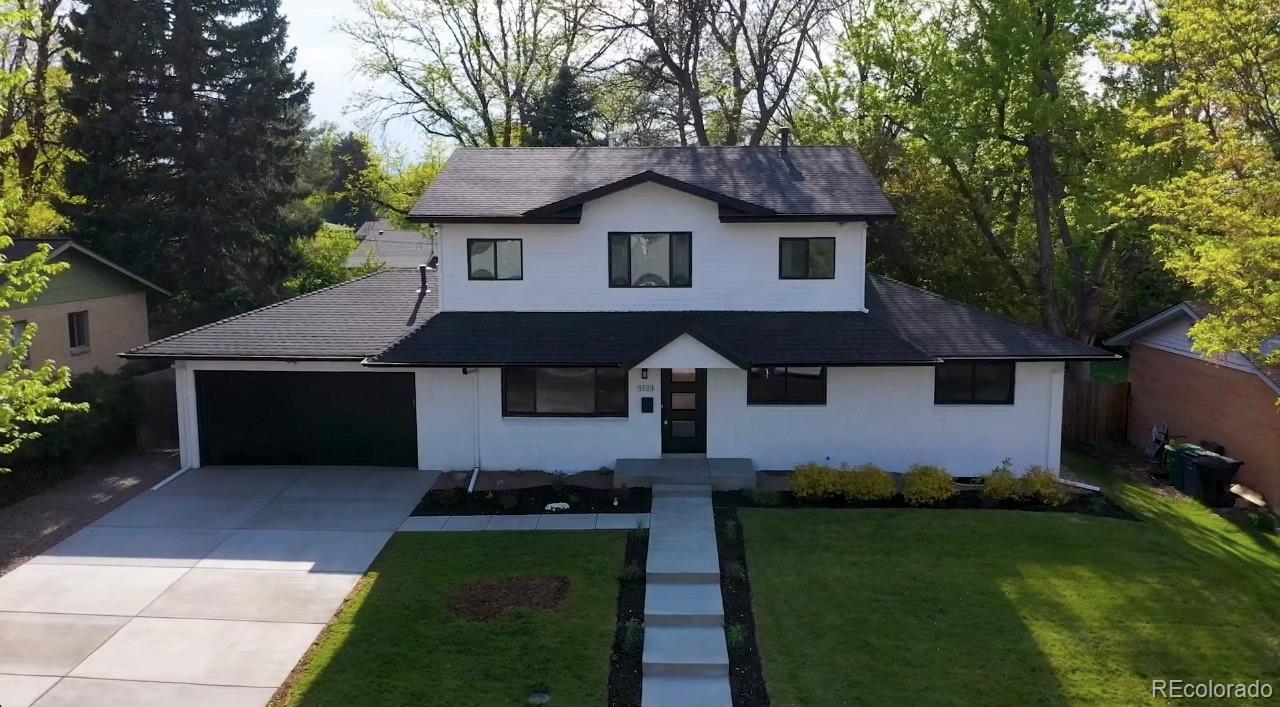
324, 257
349, 157
191, 122
1218, 219
561, 118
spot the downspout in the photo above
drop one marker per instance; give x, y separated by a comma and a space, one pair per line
475, 407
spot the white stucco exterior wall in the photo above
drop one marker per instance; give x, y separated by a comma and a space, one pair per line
735, 265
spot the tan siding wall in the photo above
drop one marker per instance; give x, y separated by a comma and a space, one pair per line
1204, 401
116, 324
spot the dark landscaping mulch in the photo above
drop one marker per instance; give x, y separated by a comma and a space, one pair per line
1093, 504
746, 675
626, 666
457, 502
490, 599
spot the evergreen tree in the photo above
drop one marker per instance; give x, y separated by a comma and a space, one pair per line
192, 126
349, 159
563, 117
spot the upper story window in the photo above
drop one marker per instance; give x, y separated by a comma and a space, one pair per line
78, 330
973, 383
806, 258
564, 392
787, 385
495, 259
650, 260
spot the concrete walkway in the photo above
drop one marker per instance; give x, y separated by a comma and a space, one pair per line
686, 661
204, 593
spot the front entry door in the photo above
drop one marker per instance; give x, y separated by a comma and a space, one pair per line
684, 410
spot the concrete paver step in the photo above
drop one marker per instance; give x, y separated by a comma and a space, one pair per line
686, 691
695, 565
685, 650
683, 604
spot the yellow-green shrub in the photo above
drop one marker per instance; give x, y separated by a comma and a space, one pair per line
925, 485
1039, 484
1001, 485
815, 482
867, 483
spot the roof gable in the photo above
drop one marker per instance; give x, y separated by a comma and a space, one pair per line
61, 247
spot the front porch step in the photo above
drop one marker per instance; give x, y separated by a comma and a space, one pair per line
678, 691
685, 651
681, 604
688, 489
721, 474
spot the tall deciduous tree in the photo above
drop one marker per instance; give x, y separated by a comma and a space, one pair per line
190, 119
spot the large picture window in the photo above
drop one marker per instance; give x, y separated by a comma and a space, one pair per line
650, 260
564, 392
973, 383
806, 258
787, 385
495, 259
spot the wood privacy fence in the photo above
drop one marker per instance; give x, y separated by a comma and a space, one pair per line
1095, 412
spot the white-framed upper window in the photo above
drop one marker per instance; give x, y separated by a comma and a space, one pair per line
78, 331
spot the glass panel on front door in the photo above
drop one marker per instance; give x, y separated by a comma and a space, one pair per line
684, 411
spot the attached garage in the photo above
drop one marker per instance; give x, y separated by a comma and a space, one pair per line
286, 417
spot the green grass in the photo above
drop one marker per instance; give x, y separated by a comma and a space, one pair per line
875, 607
396, 642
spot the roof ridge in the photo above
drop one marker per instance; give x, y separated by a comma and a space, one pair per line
234, 317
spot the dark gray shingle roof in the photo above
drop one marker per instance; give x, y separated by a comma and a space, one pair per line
949, 329
511, 182
627, 338
345, 322
391, 247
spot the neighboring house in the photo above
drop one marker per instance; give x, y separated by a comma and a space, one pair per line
90, 312
598, 304
1229, 400
380, 243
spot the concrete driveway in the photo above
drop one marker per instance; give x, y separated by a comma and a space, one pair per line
204, 593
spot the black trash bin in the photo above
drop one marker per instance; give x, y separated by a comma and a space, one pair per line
1215, 474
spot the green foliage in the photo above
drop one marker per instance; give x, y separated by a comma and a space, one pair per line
731, 529
1001, 486
561, 118
507, 501
324, 260
1041, 485
815, 482
104, 420
631, 573
632, 635
1263, 521
736, 636
867, 482
765, 499
735, 573
925, 485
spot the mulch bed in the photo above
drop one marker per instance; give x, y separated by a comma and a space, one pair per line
453, 501
746, 675
491, 599
1093, 504
626, 666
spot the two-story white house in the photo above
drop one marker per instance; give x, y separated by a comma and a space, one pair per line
593, 306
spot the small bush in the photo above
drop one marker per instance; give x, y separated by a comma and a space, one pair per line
107, 426
815, 482
1263, 521
767, 499
632, 635
736, 635
925, 485
1001, 486
735, 573
631, 573
507, 501
639, 532
1041, 485
867, 483
731, 528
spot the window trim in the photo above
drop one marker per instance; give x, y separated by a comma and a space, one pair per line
88, 339
626, 387
807, 240
671, 253
495, 278
973, 382
787, 402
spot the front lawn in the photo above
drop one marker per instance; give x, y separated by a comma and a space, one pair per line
969, 607
445, 619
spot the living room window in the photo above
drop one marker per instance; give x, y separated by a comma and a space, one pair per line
787, 385
806, 258
78, 331
973, 383
495, 259
650, 260
564, 392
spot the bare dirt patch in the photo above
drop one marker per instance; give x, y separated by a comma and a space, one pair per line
492, 599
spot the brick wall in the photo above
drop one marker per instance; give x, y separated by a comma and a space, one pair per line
116, 324
1204, 401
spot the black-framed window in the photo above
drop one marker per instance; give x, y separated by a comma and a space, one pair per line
806, 258
973, 383
651, 259
495, 259
787, 385
78, 330
564, 392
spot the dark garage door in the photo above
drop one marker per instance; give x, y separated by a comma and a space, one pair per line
253, 417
